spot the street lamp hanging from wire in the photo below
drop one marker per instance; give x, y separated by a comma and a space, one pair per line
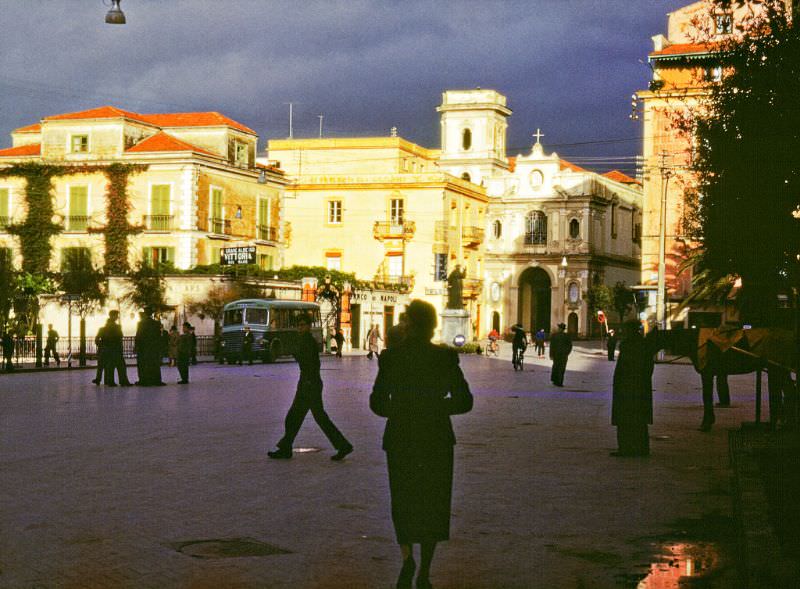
115, 16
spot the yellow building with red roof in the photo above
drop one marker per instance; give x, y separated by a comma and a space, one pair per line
202, 188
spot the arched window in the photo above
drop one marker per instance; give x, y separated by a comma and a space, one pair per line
574, 292
466, 139
497, 229
537, 179
466, 176
536, 228
574, 229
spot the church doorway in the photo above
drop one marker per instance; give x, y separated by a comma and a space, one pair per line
496, 321
533, 306
572, 324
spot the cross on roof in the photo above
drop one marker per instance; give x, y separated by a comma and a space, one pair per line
538, 135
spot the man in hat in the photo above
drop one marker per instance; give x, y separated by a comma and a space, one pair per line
560, 347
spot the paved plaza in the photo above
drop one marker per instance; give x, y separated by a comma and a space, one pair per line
113, 487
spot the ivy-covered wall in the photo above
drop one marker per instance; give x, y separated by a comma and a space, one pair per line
36, 231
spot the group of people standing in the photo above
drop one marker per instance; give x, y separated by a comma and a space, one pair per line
151, 344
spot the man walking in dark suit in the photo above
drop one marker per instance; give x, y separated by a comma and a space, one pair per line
113, 358
185, 347
50, 346
560, 348
309, 398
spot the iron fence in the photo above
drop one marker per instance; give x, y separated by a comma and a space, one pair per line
25, 348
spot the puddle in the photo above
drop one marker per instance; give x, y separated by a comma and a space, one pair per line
227, 548
679, 562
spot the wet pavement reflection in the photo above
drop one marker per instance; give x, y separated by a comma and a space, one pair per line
679, 561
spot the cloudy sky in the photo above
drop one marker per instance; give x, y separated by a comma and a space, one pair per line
567, 66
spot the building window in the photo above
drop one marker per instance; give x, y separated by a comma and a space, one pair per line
440, 266
334, 212
79, 143
214, 255
157, 256
265, 230
497, 229
574, 292
5, 208
537, 179
6, 256
216, 212
160, 218
265, 261
466, 176
613, 221
72, 256
574, 229
536, 228
78, 217
723, 23
466, 139
241, 155
333, 261
396, 211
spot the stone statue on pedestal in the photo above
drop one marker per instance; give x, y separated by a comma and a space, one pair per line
455, 288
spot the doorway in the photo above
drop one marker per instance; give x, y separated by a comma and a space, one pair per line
533, 306
355, 326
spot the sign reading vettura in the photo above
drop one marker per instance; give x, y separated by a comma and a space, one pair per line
231, 256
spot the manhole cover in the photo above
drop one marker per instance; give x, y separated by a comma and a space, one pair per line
227, 548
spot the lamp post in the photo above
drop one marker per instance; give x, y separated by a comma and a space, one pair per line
563, 274
115, 16
661, 295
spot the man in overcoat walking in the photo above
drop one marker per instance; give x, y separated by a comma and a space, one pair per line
309, 398
560, 348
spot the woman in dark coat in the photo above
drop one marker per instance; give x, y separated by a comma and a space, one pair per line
419, 386
632, 401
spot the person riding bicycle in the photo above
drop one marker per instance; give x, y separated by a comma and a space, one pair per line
493, 337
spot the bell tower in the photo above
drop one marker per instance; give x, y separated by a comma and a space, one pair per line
473, 133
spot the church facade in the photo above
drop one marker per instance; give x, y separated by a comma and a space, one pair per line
553, 229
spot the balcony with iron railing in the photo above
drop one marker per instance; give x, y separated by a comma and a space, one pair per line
394, 280
77, 223
394, 229
267, 233
159, 222
472, 235
219, 226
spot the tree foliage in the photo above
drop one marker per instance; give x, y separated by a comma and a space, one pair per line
746, 205
8, 289
29, 287
600, 298
624, 300
80, 277
147, 289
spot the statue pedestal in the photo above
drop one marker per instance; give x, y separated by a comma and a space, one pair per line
455, 322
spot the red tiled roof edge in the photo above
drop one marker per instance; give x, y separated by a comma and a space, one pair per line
22, 150
164, 142
35, 128
686, 49
565, 165
620, 177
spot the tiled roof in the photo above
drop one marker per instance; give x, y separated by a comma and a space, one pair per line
35, 128
22, 150
194, 119
163, 142
179, 119
565, 165
620, 177
685, 49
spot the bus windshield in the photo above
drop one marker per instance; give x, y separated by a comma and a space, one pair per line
256, 315
233, 317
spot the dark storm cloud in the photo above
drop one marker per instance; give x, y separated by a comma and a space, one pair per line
568, 67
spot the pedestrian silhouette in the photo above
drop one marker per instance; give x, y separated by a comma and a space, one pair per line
612, 344
247, 346
518, 346
50, 346
112, 353
632, 399
148, 350
418, 387
309, 398
8, 351
185, 349
373, 337
539, 342
560, 348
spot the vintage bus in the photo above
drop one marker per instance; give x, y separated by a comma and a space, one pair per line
273, 324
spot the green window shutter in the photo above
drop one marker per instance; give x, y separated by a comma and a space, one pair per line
263, 212
4, 212
78, 201
216, 203
159, 199
170, 255
147, 255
